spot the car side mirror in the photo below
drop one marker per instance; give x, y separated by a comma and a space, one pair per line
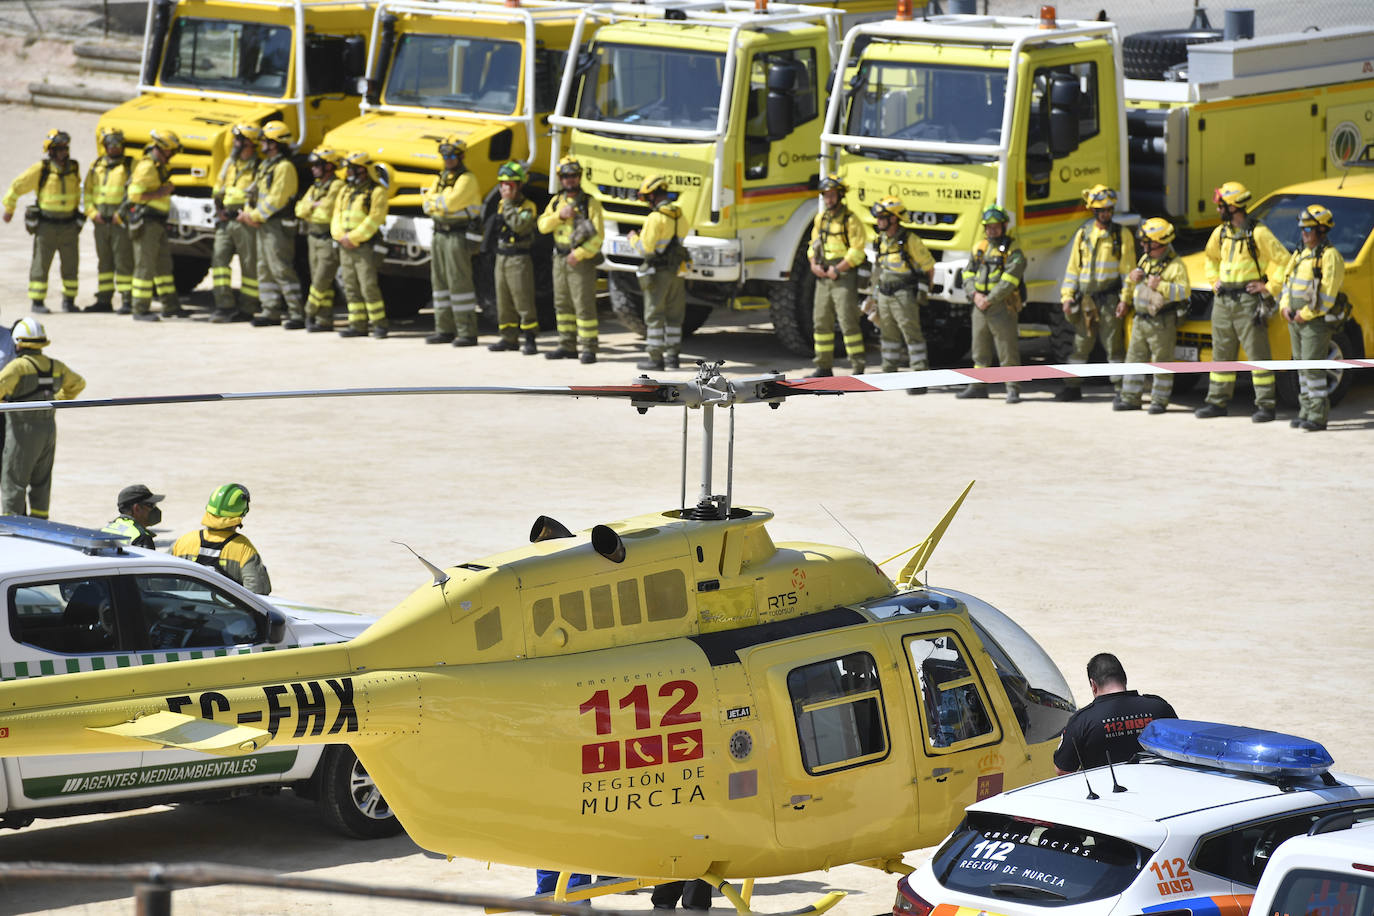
276, 626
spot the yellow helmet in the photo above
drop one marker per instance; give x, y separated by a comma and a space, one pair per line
452, 145
1315, 216
165, 140
1099, 197
106, 137
569, 167
29, 334
249, 133
56, 137
1157, 230
323, 155
360, 158
831, 183
278, 132
650, 185
889, 206
1233, 194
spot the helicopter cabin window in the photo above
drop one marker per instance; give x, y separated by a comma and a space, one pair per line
1064, 112
572, 607
72, 616
179, 612
666, 592
665, 595
838, 707
950, 696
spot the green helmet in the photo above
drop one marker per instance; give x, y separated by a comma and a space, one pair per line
512, 171
995, 214
229, 501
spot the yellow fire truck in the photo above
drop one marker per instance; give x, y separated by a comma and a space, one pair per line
211, 64
953, 113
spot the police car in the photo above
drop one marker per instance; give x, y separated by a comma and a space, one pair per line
1187, 827
1329, 871
80, 600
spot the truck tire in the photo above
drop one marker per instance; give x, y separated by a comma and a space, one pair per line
1146, 55
789, 306
404, 296
1345, 344
349, 799
627, 303
188, 271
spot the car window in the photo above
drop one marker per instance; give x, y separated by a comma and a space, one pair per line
1354, 220
951, 697
1241, 853
1307, 891
1035, 863
71, 616
179, 612
838, 705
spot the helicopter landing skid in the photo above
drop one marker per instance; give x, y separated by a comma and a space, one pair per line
738, 898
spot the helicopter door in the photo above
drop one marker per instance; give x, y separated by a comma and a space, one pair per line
835, 771
957, 739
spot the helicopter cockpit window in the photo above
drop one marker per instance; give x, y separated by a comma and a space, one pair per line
184, 613
72, 616
838, 705
955, 711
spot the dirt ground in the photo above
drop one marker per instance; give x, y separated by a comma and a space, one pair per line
1228, 564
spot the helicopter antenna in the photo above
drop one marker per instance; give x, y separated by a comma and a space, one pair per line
440, 577
846, 530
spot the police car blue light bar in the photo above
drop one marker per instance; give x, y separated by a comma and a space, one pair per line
1235, 748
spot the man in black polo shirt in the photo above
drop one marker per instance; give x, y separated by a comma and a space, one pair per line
1111, 724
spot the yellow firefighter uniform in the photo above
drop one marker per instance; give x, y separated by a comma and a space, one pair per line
232, 237
316, 208
359, 213
837, 235
57, 226
107, 183
578, 236
453, 201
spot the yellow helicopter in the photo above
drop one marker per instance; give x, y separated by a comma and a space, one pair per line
671, 696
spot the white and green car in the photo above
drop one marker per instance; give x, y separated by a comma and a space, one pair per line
77, 600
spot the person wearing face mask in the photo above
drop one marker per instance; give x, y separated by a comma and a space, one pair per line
138, 511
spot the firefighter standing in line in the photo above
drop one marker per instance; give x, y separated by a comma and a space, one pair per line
359, 214
514, 274
219, 545
901, 271
837, 248
54, 219
993, 281
453, 201
150, 202
138, 511
577, 223
274, 216
316, 208
31, 435
1158, 290
107, 183
232, 235
1101, 254
1311, 282
661, 275
1244, 260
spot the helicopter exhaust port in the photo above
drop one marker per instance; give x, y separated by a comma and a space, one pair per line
607, 543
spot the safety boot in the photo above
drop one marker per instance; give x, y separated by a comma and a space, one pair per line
973, 391
916, 391
857, 366
1295, 423
1013, 395
465, 341
1209, 410
587, 358
502, 345
352, 331
1069, 393
293, 324
439, 337
1313, 426
670, 361
378, 333
1157, 407
101, 305
38, 308
560, 353
69, 304
530, 348
652, 363
126, 304
1262, 415
265, 321
1119, 404
822, 372
146, 316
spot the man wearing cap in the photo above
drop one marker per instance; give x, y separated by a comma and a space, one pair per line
1101, 254
453, 201
138, 509
219, 545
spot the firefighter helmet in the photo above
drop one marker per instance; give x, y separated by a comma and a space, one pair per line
452, 146
889, 206
277, 132
358, 158
165, 140
109, 136
229, 501
1099, 197
1232, 194
831, 183
323, 155
28, 334
995, 214
1315, 216
512, 171
569, 167
650, 185
249, 133
55, 138
1157, 230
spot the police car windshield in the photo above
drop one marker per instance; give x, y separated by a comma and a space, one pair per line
244, 57
894, 100
1036, 863
1354, 220
652, 87
461, 74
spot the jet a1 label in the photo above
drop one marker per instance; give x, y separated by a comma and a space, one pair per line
649, 755
308, 702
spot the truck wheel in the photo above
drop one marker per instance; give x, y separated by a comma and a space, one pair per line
1146, 55
188, 271
627, 302
1345, 344
789, 306
349, 798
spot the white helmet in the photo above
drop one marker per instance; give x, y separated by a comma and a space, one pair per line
29, 332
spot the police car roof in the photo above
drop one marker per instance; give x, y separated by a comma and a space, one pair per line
30, 555
1160, 791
